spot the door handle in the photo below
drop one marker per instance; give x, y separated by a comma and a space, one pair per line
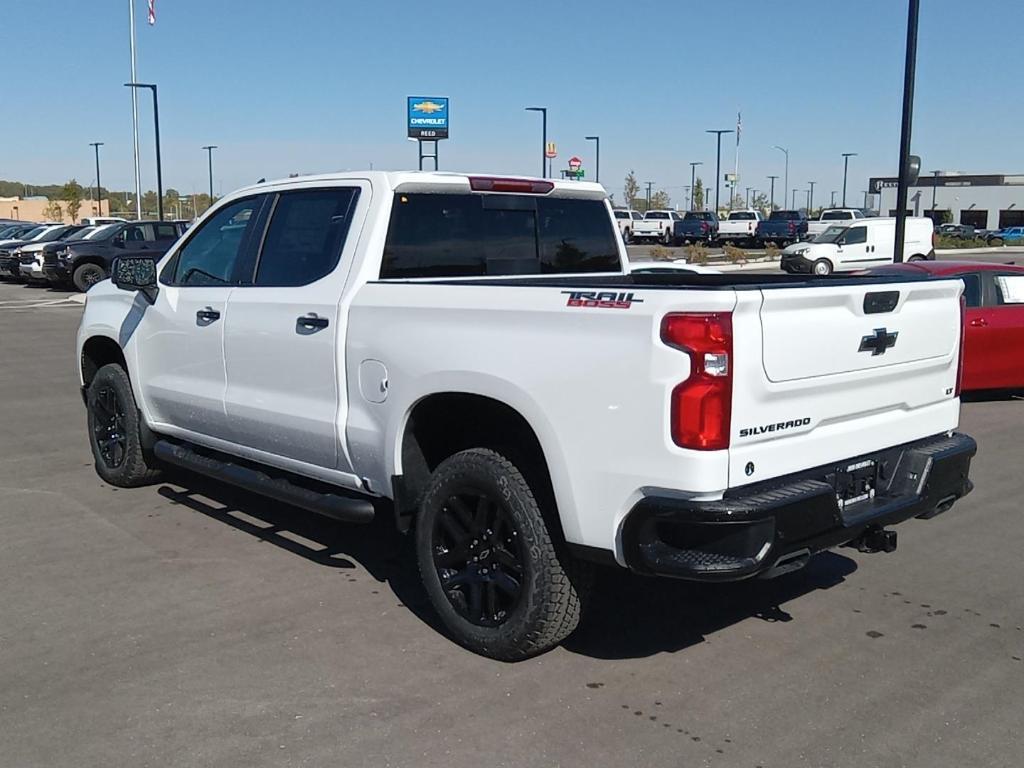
311, 322
979, 322
207, 315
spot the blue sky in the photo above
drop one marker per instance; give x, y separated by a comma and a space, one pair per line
320, 85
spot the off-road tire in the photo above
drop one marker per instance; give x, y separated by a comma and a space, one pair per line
127, 465
85, 276
548, 606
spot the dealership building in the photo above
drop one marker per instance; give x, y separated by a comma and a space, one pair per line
984, 201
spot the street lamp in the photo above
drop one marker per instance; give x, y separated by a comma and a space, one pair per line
747, 198
906, 126
209, 156
99, 206
597, 161
707, 200
935, 188
156, 137
693, 180
649, 185
832, 204
846, 167
718, 163
771, 198
785, 181
544, 139
810, 198
794, 199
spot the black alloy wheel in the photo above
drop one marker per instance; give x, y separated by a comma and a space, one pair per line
478, 558
109, 431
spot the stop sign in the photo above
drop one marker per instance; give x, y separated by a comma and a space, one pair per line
575, 163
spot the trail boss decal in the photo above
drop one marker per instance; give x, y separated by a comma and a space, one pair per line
601, 299
777, 427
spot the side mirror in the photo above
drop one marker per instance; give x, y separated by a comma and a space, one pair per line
135, 273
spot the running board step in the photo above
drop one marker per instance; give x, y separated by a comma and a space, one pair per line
344, 508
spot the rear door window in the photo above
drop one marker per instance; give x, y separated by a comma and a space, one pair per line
437, 235
306, 234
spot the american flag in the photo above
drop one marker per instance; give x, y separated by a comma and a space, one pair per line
152, 12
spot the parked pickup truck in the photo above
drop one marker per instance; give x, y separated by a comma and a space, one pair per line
831, 217
739, 227
469, 355
625, 218
782, 227
695, 227
656, 225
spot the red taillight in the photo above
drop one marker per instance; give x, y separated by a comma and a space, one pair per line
792, 227
493, 184
703, 226
702, 405
963, 339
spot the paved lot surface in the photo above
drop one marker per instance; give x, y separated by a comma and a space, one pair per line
189, 625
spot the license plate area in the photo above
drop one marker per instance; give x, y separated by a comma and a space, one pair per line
855, 483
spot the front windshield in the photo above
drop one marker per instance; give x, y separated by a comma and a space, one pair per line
8, 232
830, 235
81, 234
32, 234
101, 232
51, 235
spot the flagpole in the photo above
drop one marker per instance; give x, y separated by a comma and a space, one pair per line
135, 115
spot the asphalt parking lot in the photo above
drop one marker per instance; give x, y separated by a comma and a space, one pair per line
188, 624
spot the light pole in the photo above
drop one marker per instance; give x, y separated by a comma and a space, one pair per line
747, 198
209, 156
935, 188
543, 139
810, 198
846, 167
718, 162
693, 180
597, 160
156, 138
794, 199
909, 70
771, 197
707, 200
833, 203
649, 185
99, 206
689, 202
785, 181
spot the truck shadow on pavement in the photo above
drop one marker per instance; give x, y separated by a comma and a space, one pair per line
628, 616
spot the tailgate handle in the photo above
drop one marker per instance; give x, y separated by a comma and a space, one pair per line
880, 301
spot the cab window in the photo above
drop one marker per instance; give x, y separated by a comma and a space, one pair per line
855, 236
210, 255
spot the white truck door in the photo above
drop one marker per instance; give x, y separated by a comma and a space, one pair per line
853, 249
284, 338
181, 336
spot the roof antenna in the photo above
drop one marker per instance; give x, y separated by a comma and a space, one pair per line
262, 180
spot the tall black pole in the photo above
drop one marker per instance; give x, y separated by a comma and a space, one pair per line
597, 161
543, 139
905, 129
159, 173
810, 198
99, 206
846, 168
935, 189
771, 198
209, 155
649, 185
718, 164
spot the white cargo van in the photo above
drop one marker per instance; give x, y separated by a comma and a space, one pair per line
858, 245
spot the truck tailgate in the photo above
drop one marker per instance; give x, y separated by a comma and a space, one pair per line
829, 372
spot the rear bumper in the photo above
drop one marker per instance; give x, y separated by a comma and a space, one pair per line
774, 527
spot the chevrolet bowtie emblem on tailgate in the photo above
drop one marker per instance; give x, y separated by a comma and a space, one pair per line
878, 342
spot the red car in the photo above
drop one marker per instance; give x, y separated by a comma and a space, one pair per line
994, 333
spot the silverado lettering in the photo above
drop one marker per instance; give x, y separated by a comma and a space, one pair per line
777, 427
601, 299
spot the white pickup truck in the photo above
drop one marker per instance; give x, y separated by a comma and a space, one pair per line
831, 217
739, 227
656, 225
626, 218
470, 354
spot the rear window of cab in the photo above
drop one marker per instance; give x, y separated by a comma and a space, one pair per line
474, 235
